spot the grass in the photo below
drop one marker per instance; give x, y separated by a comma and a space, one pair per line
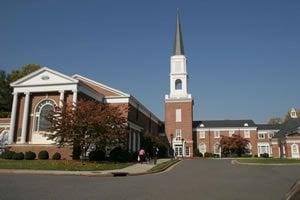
63, 165
163, 166
269, 160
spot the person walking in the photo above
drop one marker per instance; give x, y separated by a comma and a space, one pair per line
141, 155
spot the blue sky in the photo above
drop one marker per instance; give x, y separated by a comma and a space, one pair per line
243, 56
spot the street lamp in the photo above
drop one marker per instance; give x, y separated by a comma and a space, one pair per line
182, 140
172, 150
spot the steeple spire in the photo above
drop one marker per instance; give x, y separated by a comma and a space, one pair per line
178, 48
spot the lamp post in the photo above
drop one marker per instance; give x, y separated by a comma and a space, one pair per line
172, 150
182, 140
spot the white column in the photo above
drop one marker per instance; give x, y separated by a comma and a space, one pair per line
13, 119
74, 97
25, 118
61, 98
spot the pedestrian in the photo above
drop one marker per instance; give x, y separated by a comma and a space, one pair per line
155, 154
142, 155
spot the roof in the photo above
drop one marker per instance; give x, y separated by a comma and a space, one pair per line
269, 126
178, 48
288, 127
223, 123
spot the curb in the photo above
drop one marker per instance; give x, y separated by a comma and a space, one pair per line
235, 162
80, 173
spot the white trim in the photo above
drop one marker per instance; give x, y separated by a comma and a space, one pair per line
106, 87
45, 88
292, 141
17, 82
225, 129
135, 126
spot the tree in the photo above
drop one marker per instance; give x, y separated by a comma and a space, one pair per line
233, 145
275, 120
6, 90
88, 124
149, 141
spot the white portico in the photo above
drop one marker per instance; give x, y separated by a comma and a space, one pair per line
33, 96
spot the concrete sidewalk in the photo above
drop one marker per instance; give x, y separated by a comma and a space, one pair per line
134, 169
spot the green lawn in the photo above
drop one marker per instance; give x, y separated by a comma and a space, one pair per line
269, 160
163, 166
65, 165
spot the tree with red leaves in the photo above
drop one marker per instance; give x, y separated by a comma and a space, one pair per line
233, 145
88, 124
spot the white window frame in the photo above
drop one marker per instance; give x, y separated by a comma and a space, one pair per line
178, 134
200, 148
187, 151
178, 115
37, 117
216, 134
295, 154
247, 134
270, 136
202, 134
263, 134
219, 148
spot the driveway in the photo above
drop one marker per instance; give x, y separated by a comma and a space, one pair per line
190, 179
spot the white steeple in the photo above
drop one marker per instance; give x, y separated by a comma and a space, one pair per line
178, 71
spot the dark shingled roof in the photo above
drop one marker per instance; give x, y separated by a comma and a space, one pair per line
223, 123
269, 126
288, 127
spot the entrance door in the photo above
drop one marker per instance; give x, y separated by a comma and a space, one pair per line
178, 150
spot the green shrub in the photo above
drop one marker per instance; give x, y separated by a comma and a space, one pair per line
264, 155
119, 154
18, 156
29, 155
56, 156
197, 153
97, 155
216, 155
208, 155
43, 155
8, 155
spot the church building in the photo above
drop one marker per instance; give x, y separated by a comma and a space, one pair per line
185, 135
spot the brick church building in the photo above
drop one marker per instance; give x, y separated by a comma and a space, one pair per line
185, 134
44, 89
40, 91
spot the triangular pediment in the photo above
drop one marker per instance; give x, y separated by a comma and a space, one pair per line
44, 76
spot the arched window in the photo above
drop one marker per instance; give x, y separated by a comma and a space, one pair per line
178, 84
41, 115
202, 148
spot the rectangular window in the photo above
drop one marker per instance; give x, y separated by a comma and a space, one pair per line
178, 134
202, 134
187, 151
247, 134
261, 136
231, 133
178, 115
217, 134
